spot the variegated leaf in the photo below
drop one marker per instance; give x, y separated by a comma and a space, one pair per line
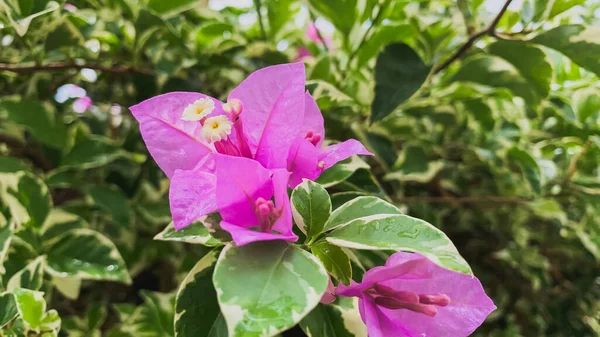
335, 320
311, 207
265, 288
341, 171
357, 208
30, 277
197, 311
197, 232
403, 233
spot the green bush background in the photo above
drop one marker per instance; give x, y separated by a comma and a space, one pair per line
485, 125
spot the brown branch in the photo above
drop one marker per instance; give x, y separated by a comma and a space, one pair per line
462, 200
490, 31
573, 165
116, 69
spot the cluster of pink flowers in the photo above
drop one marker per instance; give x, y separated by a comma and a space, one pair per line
240, 157
234, 157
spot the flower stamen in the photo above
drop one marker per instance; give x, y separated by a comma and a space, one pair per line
216, 128
198, 110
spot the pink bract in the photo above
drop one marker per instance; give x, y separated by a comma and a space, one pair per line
411, 296
268, 115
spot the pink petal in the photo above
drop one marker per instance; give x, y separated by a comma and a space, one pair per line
191, 195
302, 53
282, 201
80, 105
303, 161
334, 153
240, 181
329, 295
172, 142
378, 324
273, 109
313, 119
243, 236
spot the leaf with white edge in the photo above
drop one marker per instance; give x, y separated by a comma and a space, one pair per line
68, 286
281, 284
578, 42
31, 306
9, 311
194, 317
548, 209
58, 222
401, 233
311, 207
30, 277
399, 73
335, 261
358, 208
413, 165
530, 168
6, 235
335, 320
341, 171
196, 232
86, 254
34, 196
155, 316
97, 151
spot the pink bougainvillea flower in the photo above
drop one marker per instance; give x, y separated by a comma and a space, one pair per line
260, 120
411, 296
252, 200
313, 34
265, 116
329, 295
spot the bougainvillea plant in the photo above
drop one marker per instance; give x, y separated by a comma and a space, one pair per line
231, 165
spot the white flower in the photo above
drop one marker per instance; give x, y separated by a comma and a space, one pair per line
216, 128
198, 110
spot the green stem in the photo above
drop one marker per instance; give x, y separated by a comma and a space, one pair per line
258, 6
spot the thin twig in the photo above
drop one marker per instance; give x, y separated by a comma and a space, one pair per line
263, 32
490, 30
116, 69
462, 200
573, 165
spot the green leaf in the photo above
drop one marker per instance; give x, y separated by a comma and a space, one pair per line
341, 171
94, 152
113, 201
335, 320
529, 167
86, 254
59, 222
497, 72
197, 232
9, 308
384, 35
172, 7
30, 277
334, 259
414, 165
34, 196
586, 103
155, 316
280, 14
69, 286
578, 42
400, 232
196, 317
361, 207
43, 124
21, 25
311, 207
342, 13
65, 35
6, 236
11, 165
548, 209
31, 307
530, 61
281, 284
399, 73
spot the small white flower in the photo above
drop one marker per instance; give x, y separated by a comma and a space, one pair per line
198, 110
216, 128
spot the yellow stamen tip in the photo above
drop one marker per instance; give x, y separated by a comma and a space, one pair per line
198, 110
216, 128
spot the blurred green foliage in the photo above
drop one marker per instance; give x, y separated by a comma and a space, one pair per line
485, 125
